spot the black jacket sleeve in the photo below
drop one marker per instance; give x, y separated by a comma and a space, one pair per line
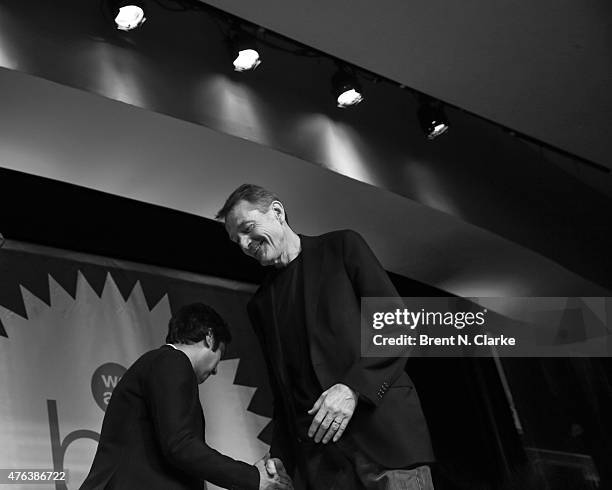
280, 446
370, 376
172, 396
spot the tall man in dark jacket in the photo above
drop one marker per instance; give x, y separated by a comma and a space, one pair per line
346, 421
153, 431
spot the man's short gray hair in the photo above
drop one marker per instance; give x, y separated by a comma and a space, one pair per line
251, 193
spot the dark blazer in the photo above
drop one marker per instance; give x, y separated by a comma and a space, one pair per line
388, 424
153, 433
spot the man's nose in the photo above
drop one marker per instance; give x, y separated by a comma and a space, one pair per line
244, 243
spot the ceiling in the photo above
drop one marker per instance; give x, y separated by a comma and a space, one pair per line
543, 68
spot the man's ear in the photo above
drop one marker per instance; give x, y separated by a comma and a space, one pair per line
279, 210
209, 340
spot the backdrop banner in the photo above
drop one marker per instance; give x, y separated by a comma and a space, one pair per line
71, 324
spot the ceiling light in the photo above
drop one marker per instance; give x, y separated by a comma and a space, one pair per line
349, 97
244, 51
346, 88
128, 15
247, 59
432, 118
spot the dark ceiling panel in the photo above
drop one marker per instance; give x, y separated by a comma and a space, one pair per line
543, 68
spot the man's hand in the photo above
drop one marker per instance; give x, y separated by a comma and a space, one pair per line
272, 474
334, 410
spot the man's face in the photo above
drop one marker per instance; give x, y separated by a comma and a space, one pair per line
259, 234
207, 362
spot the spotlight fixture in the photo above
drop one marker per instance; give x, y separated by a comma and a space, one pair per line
247, 59
346, 88
432, 118
126, 14
244, 51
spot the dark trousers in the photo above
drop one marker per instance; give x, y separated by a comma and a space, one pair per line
340, 466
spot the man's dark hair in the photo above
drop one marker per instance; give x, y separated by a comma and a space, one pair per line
194, 322
251, 193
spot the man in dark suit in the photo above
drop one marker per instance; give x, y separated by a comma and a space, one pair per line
153, 431
344, 420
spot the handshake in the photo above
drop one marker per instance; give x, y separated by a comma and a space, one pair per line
272, 474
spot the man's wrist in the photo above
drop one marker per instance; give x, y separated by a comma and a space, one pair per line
353, 391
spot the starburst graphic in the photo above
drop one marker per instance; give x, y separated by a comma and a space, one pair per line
52, 353
231, 428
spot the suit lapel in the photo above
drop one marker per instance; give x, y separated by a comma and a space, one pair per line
264, 304
313, 259
267, 310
